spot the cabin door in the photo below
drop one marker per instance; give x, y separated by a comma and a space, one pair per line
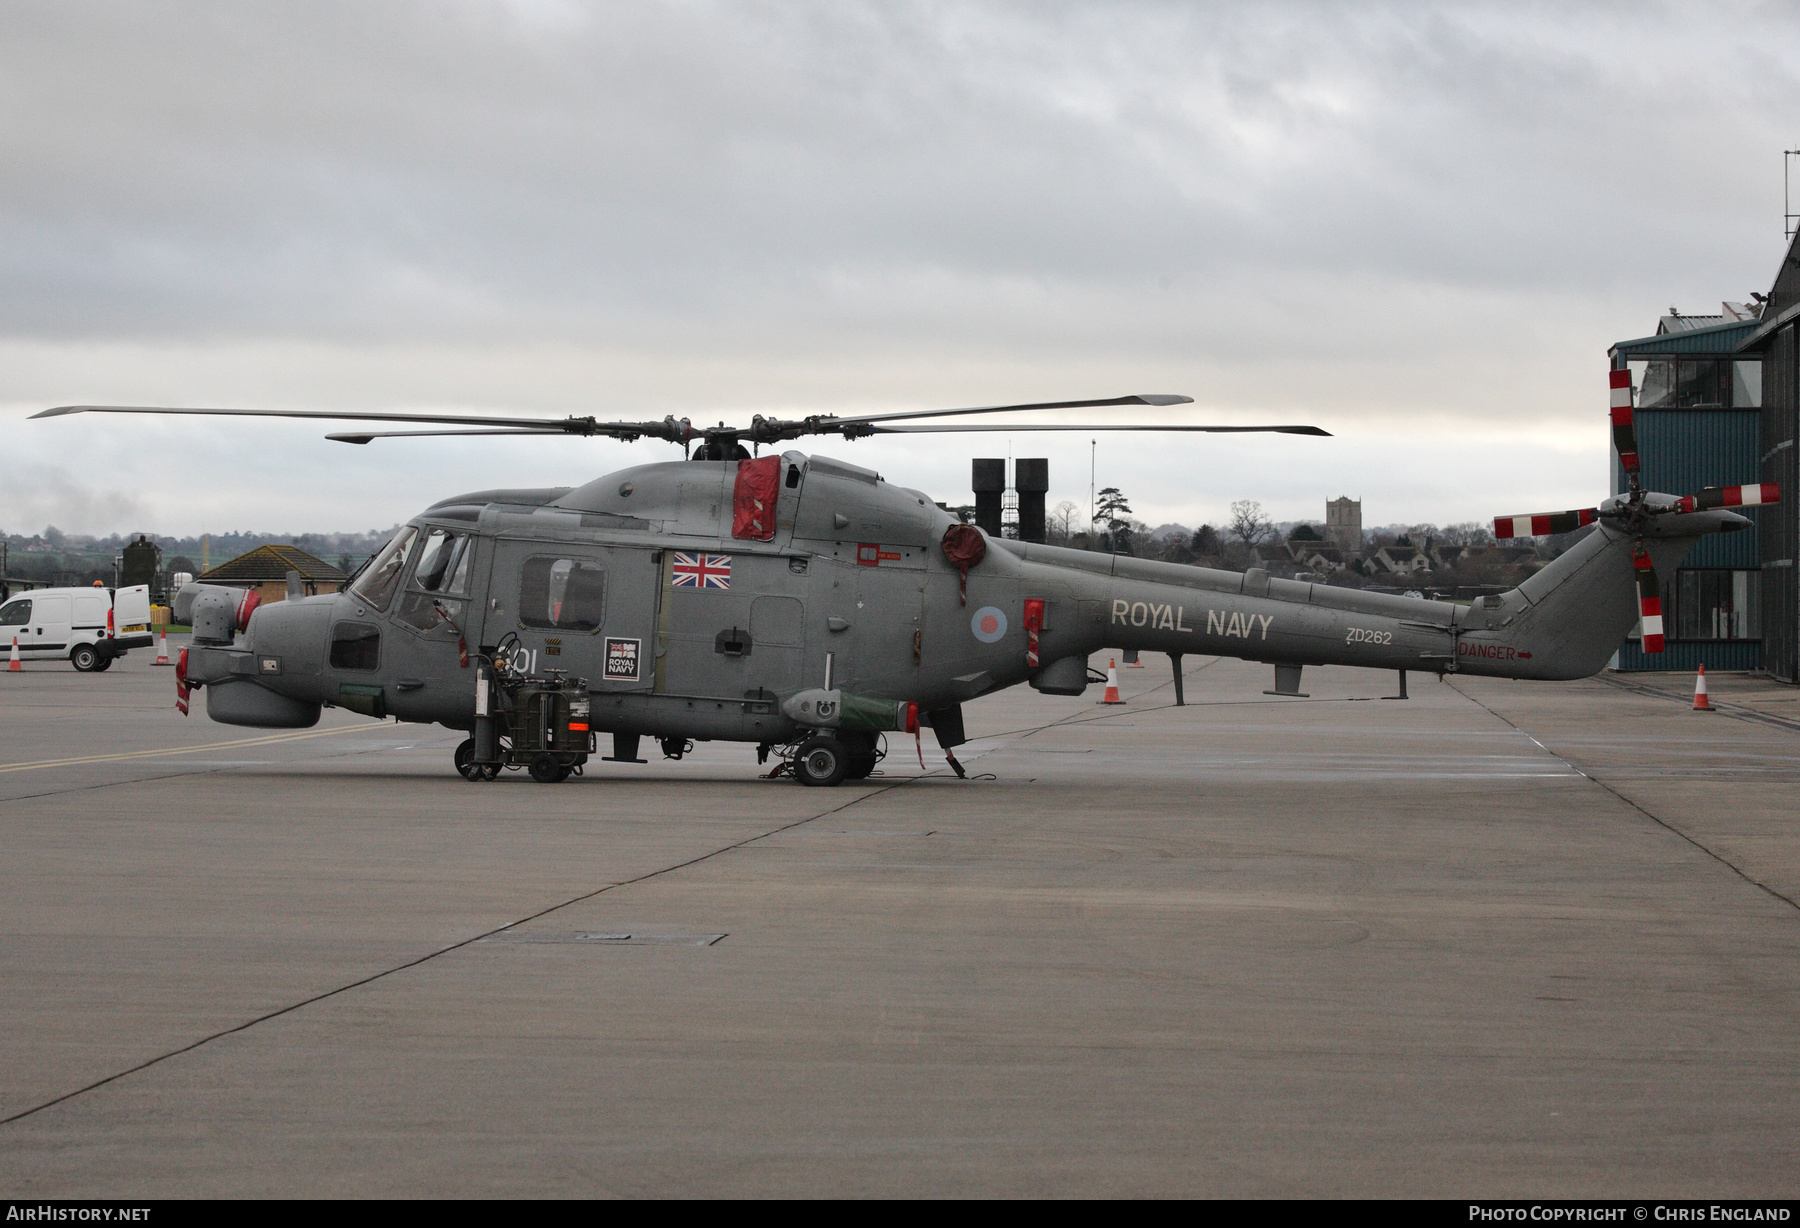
589, 610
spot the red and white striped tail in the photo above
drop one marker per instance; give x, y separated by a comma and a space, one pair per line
1539, 525
1731, 496
1649, 599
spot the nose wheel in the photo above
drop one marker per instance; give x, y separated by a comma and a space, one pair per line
467, 768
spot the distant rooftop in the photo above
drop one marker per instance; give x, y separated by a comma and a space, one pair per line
272, 563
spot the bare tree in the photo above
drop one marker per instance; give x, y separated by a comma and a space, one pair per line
1468, 533
1248, 524
1062, 516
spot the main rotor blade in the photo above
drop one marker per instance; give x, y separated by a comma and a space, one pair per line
364, 438
1148, 398
557, 424
1543, 523
1110, 426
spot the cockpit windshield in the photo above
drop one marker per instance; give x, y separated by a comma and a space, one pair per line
382, 576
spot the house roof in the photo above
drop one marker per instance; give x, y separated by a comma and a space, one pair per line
270, 563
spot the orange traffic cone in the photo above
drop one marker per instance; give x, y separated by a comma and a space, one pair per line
162, 649
12, 664
1112, 684
1701, 702
1131, 659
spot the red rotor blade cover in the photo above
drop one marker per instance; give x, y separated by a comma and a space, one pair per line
1649, 598
1624, 433
1730, 496
1542, 523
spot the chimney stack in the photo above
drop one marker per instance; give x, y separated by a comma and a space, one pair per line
988, 480
1031, 478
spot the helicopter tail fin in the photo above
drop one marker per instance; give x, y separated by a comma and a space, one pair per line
1566, 621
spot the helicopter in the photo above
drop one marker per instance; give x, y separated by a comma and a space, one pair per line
806, 606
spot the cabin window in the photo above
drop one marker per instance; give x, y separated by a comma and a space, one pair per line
382, 577
562, 594
15, 614
355, 646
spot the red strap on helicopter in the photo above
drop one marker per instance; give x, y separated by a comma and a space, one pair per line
753, 498
1034, 623
1649, 599
181, 686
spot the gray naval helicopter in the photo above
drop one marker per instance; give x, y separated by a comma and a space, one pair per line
806, 606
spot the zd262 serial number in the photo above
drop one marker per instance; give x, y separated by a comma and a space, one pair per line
1356, 635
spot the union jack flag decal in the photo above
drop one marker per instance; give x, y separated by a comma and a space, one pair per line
701, 570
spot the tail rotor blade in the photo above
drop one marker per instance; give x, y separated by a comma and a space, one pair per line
1730, 496
1542, 524
1624, 432
1649, 598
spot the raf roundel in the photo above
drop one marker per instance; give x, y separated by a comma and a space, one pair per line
989, 624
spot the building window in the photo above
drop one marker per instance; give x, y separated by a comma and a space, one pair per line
1746, 385
1717, 604
1697, 383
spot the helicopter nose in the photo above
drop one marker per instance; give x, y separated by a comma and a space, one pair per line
289, 639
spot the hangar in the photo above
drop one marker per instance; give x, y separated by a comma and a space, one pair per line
1717, 405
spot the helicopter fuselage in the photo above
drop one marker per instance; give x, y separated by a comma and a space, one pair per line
636, 583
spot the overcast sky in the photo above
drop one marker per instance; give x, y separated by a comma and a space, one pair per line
1416, 225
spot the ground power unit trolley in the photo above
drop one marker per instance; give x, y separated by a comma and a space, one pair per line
521, 721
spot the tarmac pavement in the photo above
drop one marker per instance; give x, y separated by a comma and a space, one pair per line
1501, 939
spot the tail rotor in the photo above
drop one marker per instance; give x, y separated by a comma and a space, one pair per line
1635, 510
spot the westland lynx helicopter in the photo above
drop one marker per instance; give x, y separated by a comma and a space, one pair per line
801, 604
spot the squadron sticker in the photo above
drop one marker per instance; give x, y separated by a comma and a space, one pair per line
622, 659
989, 624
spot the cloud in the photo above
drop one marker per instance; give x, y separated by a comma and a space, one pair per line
1413, 223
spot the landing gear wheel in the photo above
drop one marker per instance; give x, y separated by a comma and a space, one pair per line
820, 762
490, 771
85, 658
545, 769
860, 755
466, 766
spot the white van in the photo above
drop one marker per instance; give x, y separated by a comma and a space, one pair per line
52, 623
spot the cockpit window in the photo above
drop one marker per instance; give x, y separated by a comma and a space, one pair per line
440, 575
382, 576
562, 594
443, 565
